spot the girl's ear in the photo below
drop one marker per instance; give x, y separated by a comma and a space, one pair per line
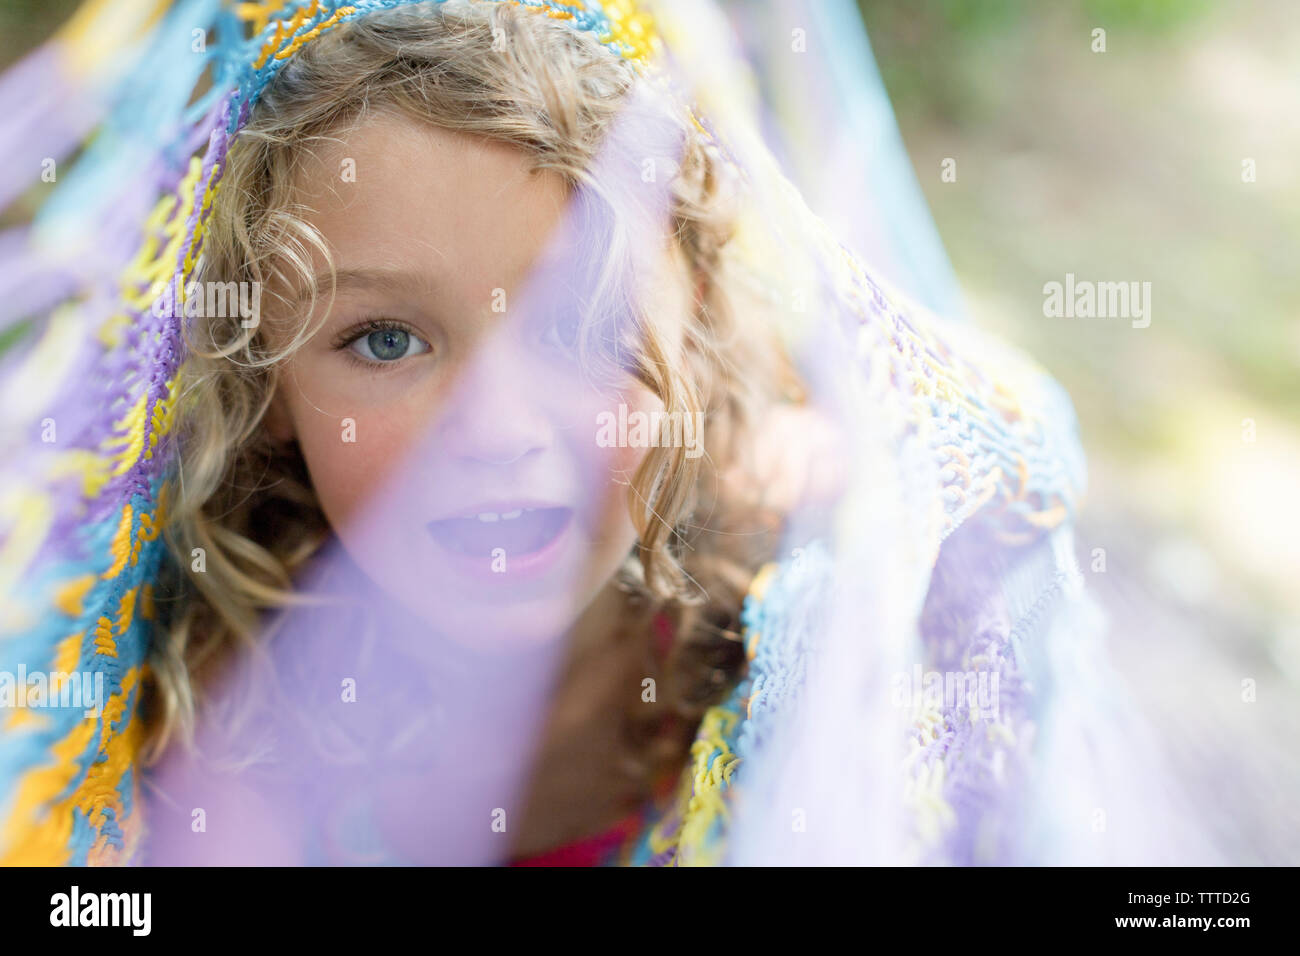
278, 421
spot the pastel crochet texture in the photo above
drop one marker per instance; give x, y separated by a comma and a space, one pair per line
80, 517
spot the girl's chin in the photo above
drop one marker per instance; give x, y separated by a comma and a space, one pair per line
488, 613
532, 625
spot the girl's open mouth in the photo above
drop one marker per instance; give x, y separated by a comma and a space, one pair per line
518, 532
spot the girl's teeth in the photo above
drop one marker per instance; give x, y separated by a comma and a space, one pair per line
490, 516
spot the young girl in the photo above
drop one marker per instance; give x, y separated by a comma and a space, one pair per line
399, 175
481, 242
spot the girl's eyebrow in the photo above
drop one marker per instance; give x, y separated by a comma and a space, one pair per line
379, 277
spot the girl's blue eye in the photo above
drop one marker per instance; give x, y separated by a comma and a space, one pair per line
388, 345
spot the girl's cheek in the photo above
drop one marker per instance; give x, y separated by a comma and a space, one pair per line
348, 458
615, 455
624, 461
616, 441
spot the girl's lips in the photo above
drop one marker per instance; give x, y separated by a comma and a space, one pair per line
515, 530
504, 544
498, 506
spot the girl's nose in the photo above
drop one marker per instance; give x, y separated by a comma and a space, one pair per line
499, 412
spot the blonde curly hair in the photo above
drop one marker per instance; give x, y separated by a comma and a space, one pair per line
501, 72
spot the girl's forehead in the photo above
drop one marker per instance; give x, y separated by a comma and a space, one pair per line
391, 193
468, 214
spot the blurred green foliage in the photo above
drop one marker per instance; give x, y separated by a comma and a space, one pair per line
1115, 166
929, 46
26, 24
